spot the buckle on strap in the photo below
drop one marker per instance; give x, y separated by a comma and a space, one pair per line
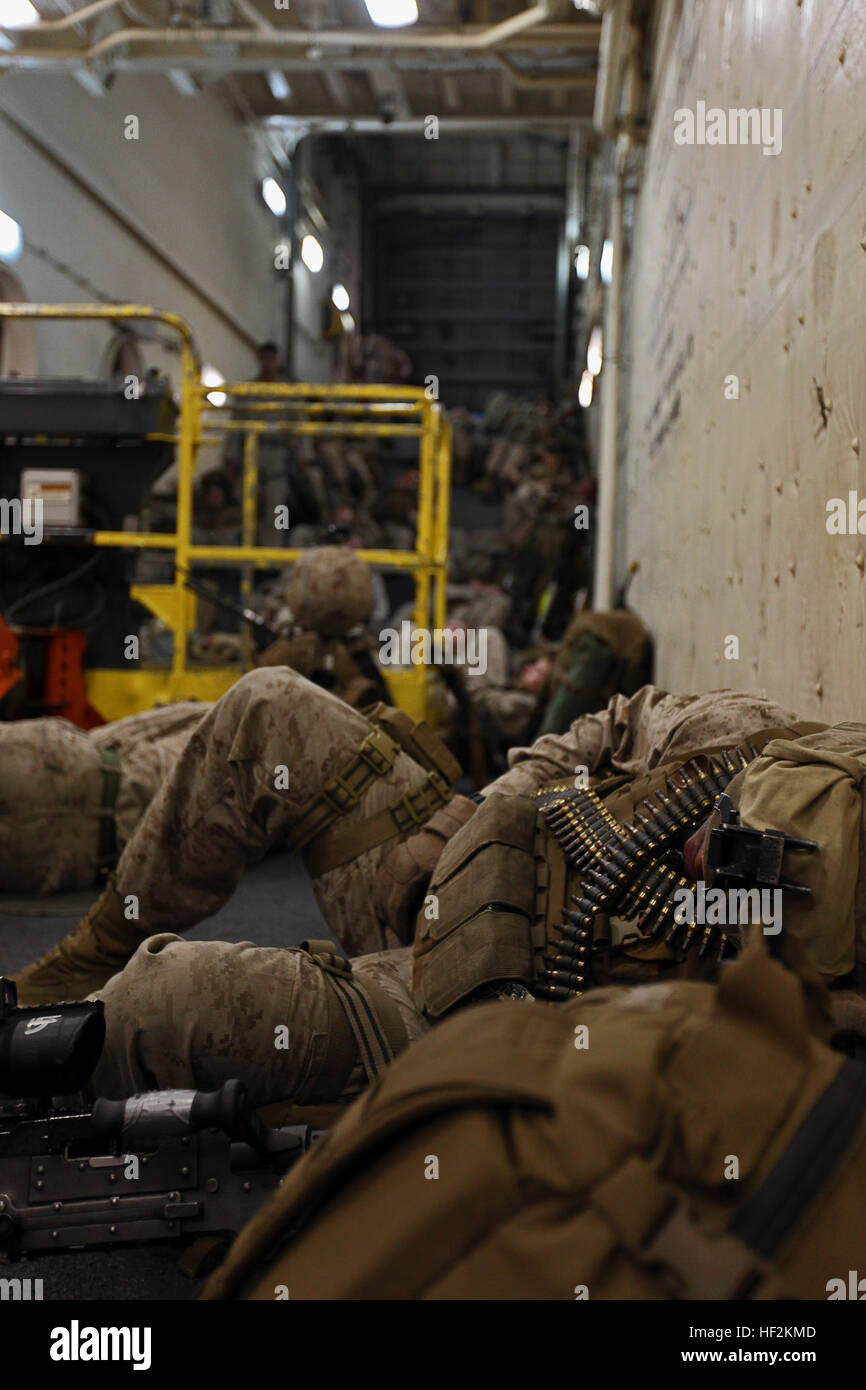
378, 750
697, 1264
340, 795
415, 808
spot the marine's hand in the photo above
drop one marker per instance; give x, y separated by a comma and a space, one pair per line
405, 873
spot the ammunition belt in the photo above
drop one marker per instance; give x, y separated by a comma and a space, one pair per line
630, 870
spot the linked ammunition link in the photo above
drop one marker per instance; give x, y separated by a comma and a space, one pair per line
631, 871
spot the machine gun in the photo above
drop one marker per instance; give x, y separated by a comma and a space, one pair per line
165, 1165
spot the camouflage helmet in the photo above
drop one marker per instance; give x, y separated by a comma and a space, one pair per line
330, 590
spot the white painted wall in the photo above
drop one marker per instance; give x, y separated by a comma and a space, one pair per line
753, 266
190, 182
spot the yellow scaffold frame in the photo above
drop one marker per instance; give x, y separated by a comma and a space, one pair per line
285, 408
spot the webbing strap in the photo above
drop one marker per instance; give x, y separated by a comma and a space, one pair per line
654, 1224
771, 1213
374, 758
373, 1019
109, 767
411, 810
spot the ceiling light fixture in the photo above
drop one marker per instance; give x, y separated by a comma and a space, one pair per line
10, 238
606, 263
211, 377
274, 196
312, 254
279, 85
16, 14
594, 356
392, 14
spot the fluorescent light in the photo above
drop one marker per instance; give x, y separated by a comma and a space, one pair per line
211, 377
581, 262
312, 254
10, 238
584, 391
594, 356
340, 298
278, 83
274, 196
15, 14
348, 323
392, 14
182, 82
606, 263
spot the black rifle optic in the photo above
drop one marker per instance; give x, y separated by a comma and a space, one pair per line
160, 1166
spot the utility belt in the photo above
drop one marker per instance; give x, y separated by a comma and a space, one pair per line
506, 884
109, 767
317, 834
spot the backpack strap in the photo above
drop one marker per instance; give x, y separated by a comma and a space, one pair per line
656, 1227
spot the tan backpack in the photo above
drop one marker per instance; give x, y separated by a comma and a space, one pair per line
812, 788
678, 1140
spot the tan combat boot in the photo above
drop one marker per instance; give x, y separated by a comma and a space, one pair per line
84, 960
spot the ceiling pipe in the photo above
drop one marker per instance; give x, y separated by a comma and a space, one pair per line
543, 82
479, 41
623, 49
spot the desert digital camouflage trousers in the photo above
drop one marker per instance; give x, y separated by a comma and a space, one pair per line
243, 777
198, 1013
51, 791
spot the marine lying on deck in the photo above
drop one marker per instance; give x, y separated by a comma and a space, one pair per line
278, 763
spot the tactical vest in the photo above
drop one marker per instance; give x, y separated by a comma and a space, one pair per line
572, 887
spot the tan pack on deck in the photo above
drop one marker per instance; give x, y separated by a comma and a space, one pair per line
812, 788
679, 1140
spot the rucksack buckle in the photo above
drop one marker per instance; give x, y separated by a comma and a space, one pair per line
747, 857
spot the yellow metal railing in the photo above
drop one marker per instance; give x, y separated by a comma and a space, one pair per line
269, 409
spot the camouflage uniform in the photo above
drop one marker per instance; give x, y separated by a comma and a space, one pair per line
211, 1008
51, 789
224, 804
